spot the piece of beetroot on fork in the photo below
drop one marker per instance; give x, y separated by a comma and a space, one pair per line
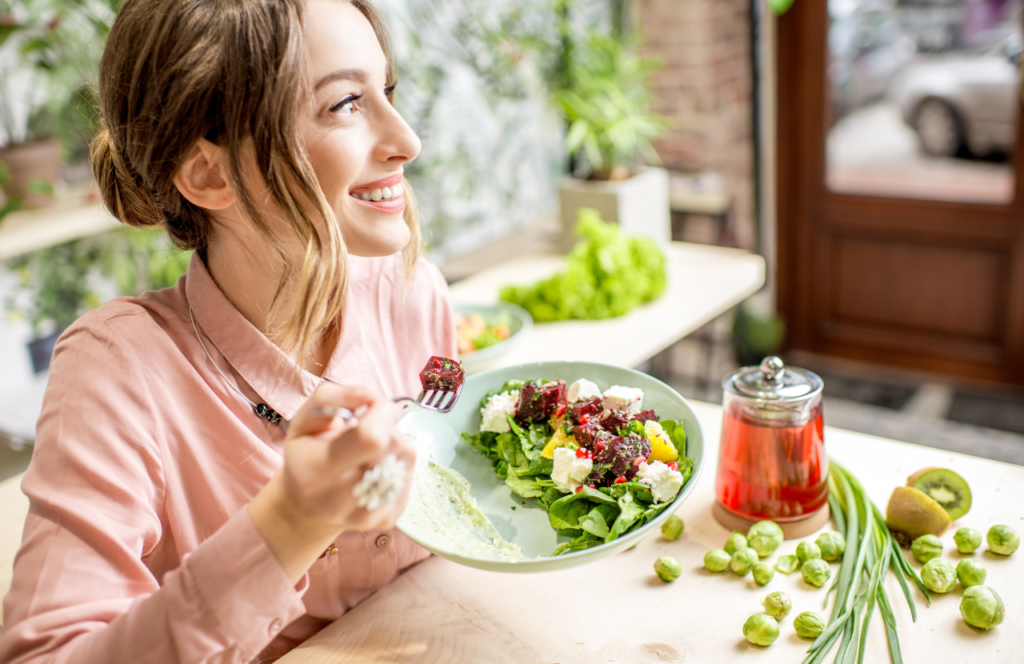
442, 373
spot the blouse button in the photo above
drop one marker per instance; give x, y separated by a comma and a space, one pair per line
275, 627
383, 541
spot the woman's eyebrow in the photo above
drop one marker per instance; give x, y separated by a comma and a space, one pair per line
341, 74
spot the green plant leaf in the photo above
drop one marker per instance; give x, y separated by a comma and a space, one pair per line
41, 187
5, 173
779, 7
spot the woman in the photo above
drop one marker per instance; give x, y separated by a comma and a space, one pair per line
172, 520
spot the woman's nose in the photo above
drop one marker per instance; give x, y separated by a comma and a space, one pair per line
397, 141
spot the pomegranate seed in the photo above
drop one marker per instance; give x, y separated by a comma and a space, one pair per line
561, 409
581, 453
619, 480
584, 419
592, 486
637, 461
599, 447
578, 489
673, 465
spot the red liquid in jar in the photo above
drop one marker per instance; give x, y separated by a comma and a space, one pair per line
772, 472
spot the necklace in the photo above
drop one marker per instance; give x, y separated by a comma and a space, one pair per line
262, 409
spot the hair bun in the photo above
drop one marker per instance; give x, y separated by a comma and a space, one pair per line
130, 201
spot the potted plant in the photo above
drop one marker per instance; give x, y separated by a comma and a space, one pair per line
49, 52
605, 99
52, 291
53, 283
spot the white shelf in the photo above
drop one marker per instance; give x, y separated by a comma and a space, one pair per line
73, 215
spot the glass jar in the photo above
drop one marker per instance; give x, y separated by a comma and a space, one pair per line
772, 462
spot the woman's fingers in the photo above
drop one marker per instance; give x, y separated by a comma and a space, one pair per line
308, 422
367, 442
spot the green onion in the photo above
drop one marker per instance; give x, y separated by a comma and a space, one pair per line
871, 551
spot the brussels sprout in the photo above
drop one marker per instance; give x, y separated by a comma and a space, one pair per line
939, 575
1002, 540
673, 528
777, 604
716, 560
807, 551
763, 573
967, 540
667, 568
809, 625
982, 607
761, 629
816, 571
735, 542
742, 561
764, 537
971, 573
832, 545
787, 564
926, 547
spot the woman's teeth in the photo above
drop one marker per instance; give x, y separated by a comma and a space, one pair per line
384, 194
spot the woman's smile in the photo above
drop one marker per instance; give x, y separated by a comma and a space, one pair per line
385, 195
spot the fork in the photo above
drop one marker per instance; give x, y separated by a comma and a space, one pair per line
437, 401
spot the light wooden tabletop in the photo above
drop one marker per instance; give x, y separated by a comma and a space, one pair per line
703, 282
617, 610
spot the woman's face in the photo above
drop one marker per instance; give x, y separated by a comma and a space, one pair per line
356, 140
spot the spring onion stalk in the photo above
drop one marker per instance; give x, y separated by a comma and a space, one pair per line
871, 552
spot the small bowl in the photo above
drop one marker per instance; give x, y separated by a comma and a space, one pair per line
520, 324
520, 522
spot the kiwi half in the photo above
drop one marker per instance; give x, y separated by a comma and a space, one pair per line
944, 487
911, 513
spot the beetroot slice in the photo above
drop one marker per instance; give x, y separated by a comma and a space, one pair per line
442, 373
538, 402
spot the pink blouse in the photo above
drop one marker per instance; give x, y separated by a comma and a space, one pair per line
137, 547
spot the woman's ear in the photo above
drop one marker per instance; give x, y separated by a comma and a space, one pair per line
203, 177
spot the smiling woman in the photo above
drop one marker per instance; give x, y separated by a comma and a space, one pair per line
188, 501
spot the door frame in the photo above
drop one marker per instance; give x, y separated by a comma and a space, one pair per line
809, 218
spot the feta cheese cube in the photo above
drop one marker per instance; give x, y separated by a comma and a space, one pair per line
495, 410
663, 482
626, 399
582, 390
570, 472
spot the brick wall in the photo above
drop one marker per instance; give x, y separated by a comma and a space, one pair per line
705, 87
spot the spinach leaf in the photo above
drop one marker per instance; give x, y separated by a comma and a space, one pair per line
484, 442
566, 512
584, 541
527, 487
630, 511
597, 520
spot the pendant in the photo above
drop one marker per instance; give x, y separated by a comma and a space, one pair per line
267, 413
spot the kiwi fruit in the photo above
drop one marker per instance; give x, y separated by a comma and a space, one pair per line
912, 513
944, 487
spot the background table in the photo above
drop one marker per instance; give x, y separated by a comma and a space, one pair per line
703, 282
617, 610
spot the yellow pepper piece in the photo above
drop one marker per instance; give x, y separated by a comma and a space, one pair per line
560, 439
662, 448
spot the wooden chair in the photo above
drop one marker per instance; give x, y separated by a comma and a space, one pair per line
13, 510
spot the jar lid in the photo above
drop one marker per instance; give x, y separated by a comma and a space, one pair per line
773, 381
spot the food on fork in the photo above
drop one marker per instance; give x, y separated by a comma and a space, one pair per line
442, 373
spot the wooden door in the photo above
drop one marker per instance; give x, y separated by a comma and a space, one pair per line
886, 274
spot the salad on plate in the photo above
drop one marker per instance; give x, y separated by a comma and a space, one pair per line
598, 462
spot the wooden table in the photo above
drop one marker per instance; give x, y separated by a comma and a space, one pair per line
617, 610
703, 282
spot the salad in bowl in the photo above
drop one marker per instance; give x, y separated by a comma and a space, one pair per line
597, 461
549, 465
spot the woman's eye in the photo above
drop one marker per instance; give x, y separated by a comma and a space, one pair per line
346, 106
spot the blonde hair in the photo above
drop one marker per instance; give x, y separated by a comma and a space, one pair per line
229, 71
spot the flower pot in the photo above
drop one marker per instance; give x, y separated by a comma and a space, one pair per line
639, 204
41, 351
38, 159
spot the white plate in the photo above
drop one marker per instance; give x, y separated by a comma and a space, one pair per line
438, 437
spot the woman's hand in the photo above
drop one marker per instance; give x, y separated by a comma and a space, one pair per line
310, 500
